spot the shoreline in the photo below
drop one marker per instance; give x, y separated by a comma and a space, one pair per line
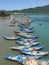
4, 17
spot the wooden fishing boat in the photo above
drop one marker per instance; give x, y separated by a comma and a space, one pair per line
29, 36
33, 61
10, 37
38, 47
28, 43
28, 40
29, 52
19, 47
24, 31
29, 30
20, 58
24, 27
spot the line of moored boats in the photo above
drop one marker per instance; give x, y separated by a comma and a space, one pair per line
29, 47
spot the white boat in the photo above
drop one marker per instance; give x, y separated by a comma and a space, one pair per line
29, 52
10, 37
25, 42
20, 58
33, 61
38, 47
29, 36
19, 47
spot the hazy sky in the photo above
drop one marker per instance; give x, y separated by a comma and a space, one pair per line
21, 4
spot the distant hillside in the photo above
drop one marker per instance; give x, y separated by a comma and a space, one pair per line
36, 10
44, 9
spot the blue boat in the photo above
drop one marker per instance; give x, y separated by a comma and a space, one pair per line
29, 30
27, 42
10, 37
23, 27
25, 31
28, 36
20, 58
24, 39
19, 47
38, 47
29, 52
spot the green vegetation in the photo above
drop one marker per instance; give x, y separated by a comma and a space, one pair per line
4, 13
36, 10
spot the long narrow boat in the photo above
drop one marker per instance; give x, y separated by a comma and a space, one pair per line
10, 37
20, 58
24, 31
38, 47
23, 26
29, 36
29, 43
30, 30
24, 39
29, 52
33, 61
19, 47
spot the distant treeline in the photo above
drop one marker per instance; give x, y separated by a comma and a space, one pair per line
36, 10
4, 13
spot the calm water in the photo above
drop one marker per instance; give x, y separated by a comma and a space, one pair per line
41, 30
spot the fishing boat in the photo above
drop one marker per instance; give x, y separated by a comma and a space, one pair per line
24, 39
29, 52
38, 47
23, 26
25, 31
19, 47
25, 35
33, 61
29, 30
21, 32
20, 58
25, 42
10, 37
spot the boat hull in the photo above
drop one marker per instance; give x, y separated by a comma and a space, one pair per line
9, 38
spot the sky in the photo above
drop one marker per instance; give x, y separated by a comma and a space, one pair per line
21, 4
